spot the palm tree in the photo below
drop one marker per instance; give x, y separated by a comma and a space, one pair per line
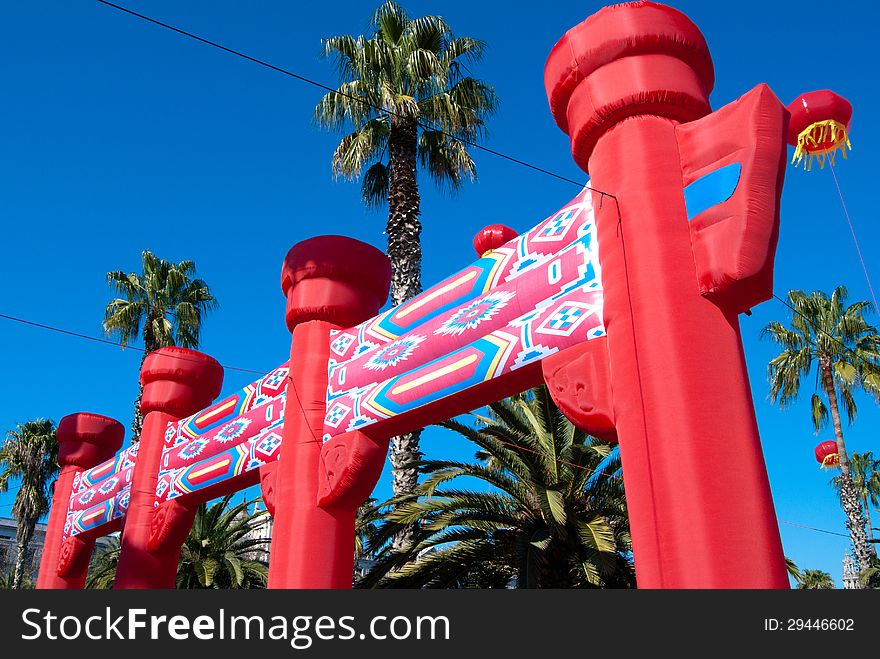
405, 92
815, 580
866, 479
102, 568
167, 299
221, 550
846, 351
29, 455
553, 516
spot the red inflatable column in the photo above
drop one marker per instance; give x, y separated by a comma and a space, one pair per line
330, 282
177, 383
620, 84
84, 441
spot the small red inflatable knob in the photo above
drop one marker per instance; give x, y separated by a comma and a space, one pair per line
636, 58
179, 381
336, 279
491, 237
86, 440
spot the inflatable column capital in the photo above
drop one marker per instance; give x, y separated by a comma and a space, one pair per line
85, 440
179, 381
335, 279
635, 58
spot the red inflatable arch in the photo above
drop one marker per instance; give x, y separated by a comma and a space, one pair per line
624, 303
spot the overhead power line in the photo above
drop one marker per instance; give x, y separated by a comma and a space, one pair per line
357, 99
96, 339
812, 528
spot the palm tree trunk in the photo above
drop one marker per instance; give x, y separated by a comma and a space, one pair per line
404, 228
23, 535
867, 509
150, 345
850, 500
405, 253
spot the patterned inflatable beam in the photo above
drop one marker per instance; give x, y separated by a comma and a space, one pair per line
528, 299
236, 435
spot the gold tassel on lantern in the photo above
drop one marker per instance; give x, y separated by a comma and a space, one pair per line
810, 141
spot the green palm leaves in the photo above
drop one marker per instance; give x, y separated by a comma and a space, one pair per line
824, 329
549, 511
407, 70
815, 580
166, 297
223, 550
102, 569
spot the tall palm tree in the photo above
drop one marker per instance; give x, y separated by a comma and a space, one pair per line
815, 580
29, 455
405, 91
221, 550
552, 514
866, 479
846, 351
167, 300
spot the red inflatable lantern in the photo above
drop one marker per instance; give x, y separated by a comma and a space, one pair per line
827, 455
819, 127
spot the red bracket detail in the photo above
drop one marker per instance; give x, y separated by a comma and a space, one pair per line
579, 380
350, 468
734, 242
170, 525
74, 557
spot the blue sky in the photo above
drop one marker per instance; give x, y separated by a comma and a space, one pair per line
119, 136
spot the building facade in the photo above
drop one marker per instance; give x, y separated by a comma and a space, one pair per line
9, 549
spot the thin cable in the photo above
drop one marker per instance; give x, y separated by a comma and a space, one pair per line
855, 239
113, 343
811, 528
357, 99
